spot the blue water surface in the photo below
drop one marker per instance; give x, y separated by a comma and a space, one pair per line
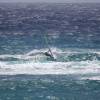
74, 27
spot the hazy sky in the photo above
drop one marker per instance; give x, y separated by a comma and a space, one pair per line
50, 1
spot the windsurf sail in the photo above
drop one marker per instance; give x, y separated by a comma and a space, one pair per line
49, 53
48, 46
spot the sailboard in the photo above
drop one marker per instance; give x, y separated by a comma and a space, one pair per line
48, 46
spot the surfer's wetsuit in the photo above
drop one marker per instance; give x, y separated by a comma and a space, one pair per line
49, 55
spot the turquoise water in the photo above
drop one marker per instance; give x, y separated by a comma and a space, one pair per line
48, 87
73, 32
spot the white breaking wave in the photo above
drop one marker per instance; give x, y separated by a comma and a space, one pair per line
40, 53
11, 56
32, 68
32, 54
84, 69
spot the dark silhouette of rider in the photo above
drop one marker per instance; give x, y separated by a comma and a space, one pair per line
49, 55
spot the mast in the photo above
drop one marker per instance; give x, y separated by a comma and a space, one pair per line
47, 43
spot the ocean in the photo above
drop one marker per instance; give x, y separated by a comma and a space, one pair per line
72, 31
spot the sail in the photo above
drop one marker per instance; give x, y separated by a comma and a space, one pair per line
47, 43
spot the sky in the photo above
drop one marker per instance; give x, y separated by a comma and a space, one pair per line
58, 1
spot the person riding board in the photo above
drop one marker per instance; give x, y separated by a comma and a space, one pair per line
49, 54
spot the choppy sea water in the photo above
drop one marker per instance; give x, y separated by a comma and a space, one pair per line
73, 32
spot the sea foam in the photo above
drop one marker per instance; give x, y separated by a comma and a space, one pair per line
39, 65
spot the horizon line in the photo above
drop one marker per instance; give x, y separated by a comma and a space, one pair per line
49, 2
